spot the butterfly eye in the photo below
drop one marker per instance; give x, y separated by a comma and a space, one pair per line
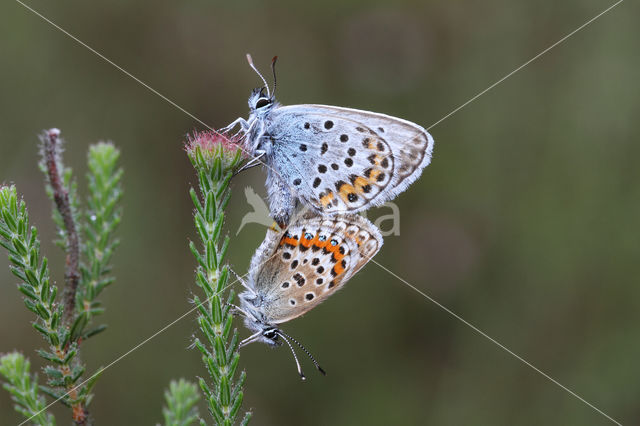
262, 102
308, 236
322, 238
269, 334
334, 242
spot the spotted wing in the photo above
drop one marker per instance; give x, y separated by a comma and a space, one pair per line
297, 269
345, 159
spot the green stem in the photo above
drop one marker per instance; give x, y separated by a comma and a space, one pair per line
220, 352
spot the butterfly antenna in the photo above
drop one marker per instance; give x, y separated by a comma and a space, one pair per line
305, 351
253, 67
273, 70
294, 354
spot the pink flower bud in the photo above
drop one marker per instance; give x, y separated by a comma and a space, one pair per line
204, 147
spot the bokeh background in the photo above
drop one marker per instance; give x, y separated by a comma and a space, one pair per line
526, 224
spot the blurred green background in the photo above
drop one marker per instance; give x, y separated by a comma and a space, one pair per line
526, 223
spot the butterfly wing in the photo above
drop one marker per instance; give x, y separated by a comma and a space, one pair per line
295, 270
344, 159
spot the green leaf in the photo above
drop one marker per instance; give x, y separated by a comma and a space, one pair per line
213, 368
225, 391
209, 207
225, 201
42, 330
212, 259
202, 281
196, 201
236, 405
20, 246
51, 357
221, 355
71, 352
235, 358
228, 323
232, 347
94, 331
78, 325
181, 399
196, 254
247, 418
217, 227
216, 410
217, 310
27, 290
222, 280
201, 228
43, 311
10, 219
223, 251
204, 387
77, 372
24, 389
206, 328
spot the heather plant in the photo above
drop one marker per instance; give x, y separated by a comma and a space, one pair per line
215, 160
66, 320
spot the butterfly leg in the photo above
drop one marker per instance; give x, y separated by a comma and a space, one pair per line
242, 282
251, 338
255, 161
244, 125
238, 310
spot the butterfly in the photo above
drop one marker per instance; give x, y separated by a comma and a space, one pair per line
332, 159
296, 269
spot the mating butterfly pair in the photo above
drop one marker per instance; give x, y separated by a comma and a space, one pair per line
336, 162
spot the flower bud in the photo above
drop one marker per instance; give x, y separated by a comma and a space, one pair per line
204, 148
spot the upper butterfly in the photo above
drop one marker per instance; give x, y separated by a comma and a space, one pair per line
332, 159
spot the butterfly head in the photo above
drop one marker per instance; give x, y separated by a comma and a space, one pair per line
270, 334
265, 333
256, 321
261, 101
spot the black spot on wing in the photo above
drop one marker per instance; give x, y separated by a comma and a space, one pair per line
299, 279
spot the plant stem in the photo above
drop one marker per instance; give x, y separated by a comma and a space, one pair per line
61, 198
215, 161
21, 241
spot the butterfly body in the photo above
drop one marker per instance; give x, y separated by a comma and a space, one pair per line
295, 270
331, 159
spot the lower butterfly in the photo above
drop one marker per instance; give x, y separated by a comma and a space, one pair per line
295, 270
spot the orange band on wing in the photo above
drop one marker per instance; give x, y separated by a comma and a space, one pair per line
345, 191
289, 240
338, 268
326, 200
373, 176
